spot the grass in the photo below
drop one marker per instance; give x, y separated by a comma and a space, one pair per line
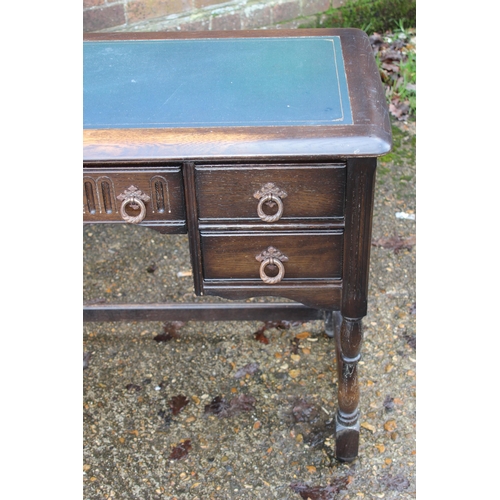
372, 16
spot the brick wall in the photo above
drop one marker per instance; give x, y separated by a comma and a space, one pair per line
167, 15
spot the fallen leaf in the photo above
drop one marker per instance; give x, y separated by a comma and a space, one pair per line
133, 387
389, 403
280, 325
395, 243
171, 331
222, 408
181, 450
320, 492
260, 337
396, 482
178, 403
248, 369
151, 268
304, 411
216, 406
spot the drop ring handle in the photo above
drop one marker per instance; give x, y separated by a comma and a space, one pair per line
129, 218
270, 218
274, 279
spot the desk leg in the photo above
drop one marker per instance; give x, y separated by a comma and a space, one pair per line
348, 338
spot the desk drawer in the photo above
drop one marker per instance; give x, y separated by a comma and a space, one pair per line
310, 255
134, 196
267, 193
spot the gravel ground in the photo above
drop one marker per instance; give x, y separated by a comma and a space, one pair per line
178, 417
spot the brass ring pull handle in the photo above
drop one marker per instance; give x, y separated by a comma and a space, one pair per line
128, 218
273, 199
270, 195
275, 279
271, 256
135, 198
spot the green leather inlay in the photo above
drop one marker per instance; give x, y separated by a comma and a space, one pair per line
245, 82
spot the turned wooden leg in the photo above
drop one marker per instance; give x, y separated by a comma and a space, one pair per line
348, 341
360, 182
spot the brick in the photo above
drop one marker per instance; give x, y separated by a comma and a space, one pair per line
314, 6
139, 10
200, 25
256, 17
226, 22
198, 4
286, 11
107, 17
92, 3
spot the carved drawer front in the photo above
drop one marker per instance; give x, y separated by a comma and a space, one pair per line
267, 193
271, 258
147, 196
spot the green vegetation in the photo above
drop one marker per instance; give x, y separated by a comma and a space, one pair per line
372, 16
403, 151
395, 21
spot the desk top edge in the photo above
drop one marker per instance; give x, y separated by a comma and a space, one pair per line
369, 135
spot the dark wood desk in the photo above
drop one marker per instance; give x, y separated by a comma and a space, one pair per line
262, 146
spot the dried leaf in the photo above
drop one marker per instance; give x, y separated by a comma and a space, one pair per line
394, 482
171, 330
217, 406
304, 411
259, 336
411, 340
280, 325
241, 403
248, 369
388, 403
222, 408
166, 417
320, 492
177, 403
395, 243
295, 345
133, 387
181, 450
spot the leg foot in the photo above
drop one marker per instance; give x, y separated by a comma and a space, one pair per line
346, 439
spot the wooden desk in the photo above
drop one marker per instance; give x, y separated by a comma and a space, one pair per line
262, 146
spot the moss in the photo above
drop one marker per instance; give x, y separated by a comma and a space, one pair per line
403, 148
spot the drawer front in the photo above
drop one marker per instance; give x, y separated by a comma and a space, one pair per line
133, 196
266, 194
314, 255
